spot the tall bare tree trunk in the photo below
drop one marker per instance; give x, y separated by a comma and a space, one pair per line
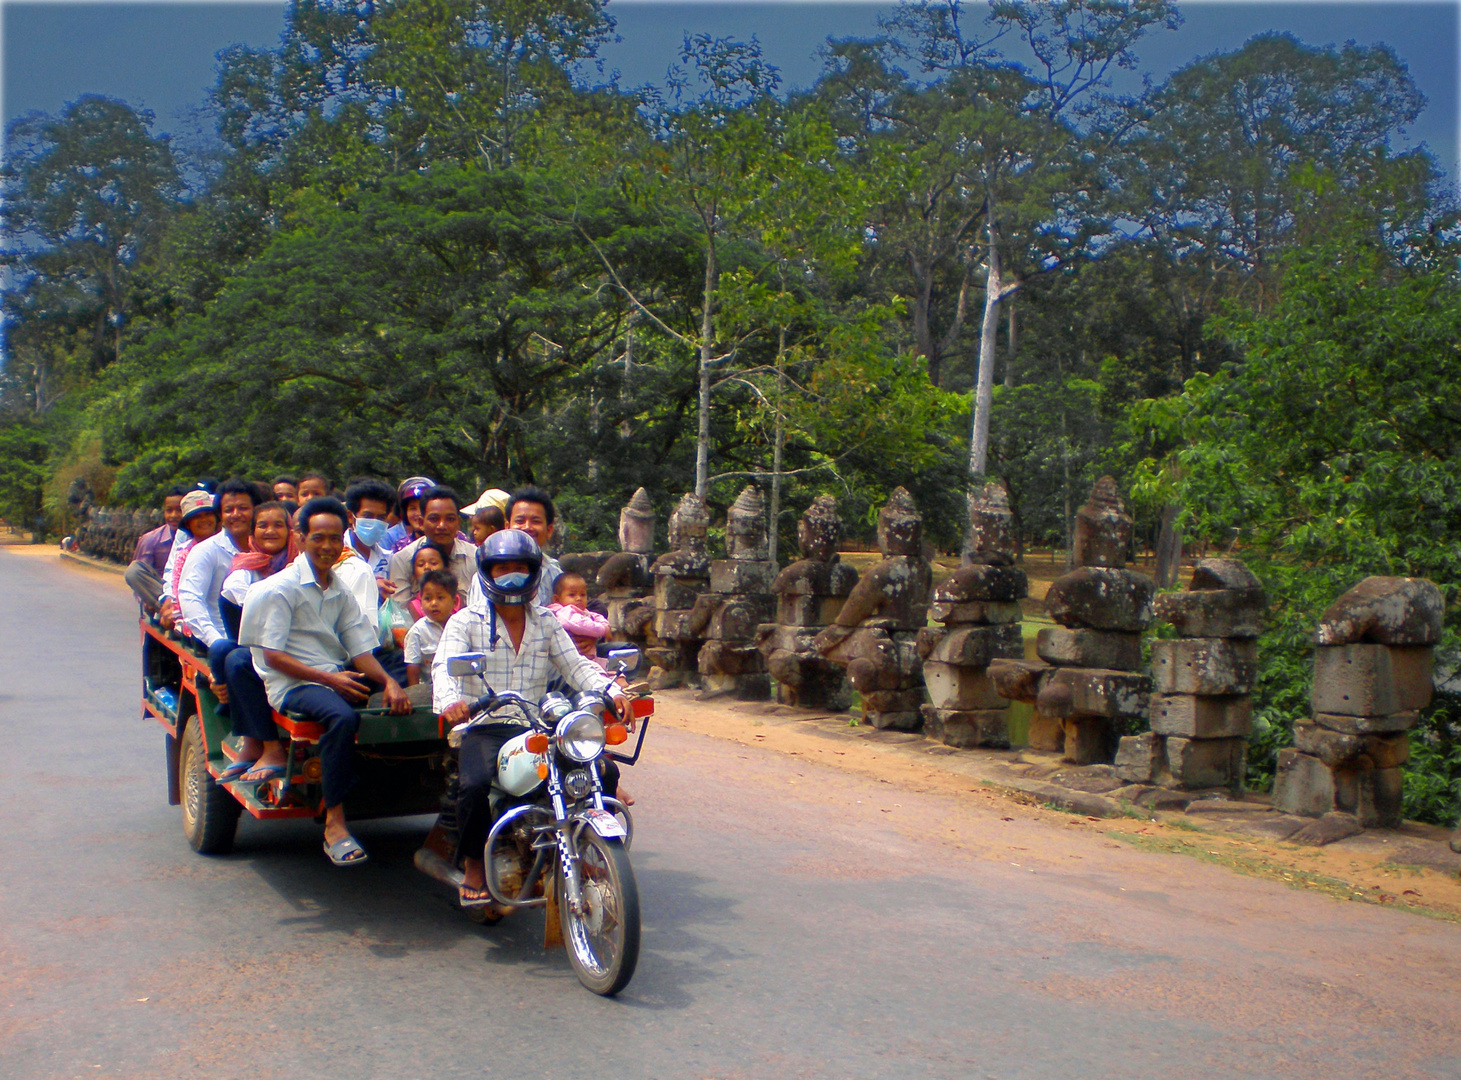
984, 383
1009, 352
1169, 548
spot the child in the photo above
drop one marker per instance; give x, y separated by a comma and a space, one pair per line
400, 612
486, 521
438, 598
570, 605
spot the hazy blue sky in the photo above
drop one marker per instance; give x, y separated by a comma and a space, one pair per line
161, 55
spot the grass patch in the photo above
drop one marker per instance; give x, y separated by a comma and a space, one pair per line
1260, 867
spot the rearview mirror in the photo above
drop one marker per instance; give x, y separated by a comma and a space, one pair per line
459, 667
629, 656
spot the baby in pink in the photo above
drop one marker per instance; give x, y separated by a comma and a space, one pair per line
570, 605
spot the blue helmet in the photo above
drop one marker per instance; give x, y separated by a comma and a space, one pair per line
504, 546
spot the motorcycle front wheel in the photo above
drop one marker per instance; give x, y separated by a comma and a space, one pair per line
603, 939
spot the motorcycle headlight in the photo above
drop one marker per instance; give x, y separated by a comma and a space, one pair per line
580, 736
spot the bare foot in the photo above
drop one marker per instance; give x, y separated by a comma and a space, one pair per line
622, 794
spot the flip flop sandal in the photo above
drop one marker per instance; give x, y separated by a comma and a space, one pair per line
235, 771
469, 897
269, 772
346, 852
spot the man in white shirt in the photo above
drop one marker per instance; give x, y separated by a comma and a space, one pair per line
531, 510
523, 646
441, 521
306, 632
210, 560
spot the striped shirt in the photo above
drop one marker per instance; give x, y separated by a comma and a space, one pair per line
546, 650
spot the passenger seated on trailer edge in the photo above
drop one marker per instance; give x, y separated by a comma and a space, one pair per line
144, 574
211, 560
305, 630
199, 521
523, 645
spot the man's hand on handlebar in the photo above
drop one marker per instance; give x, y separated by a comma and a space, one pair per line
455, 713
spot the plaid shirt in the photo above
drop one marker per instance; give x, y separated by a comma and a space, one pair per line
546, 650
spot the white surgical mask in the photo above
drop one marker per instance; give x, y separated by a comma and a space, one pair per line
370, 531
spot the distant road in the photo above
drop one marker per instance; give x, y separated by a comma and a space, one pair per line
800, 921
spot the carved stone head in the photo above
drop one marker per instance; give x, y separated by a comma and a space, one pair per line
819, 530
689, 524
991, 526
745, 525
900, 526
636, 525
1102, 529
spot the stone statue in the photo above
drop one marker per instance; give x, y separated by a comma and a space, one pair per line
738, 602
810, 594
625, 578
680, 576
979, 612
874, 634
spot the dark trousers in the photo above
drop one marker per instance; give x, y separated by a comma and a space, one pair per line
249, 705
337, 746
477, 768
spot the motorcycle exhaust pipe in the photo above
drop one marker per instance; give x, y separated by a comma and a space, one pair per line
433, 865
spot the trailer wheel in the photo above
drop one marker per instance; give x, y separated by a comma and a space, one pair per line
210, 813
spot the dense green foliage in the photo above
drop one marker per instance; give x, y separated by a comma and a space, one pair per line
426, 241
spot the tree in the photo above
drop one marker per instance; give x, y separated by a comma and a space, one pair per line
87, 195
709, 127
1331, 452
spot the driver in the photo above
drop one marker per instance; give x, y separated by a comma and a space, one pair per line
523, 646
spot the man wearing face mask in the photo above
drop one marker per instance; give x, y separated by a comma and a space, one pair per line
524, 645
370, 503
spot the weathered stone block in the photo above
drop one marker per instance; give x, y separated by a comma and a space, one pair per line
741, 576
1302, 784
675, 594
1094, 692
893, 700
625, 570
738, 617
1204, 666
1018, 680
1089, 740
1139, 757
1047, 733
800, 609
1371, 680
811, 577
1089, 648
1204, 763
1384, 611
978, 612
1391, 724
1199, 717
983, 583
1102, 598
1380, 801
672, 625
626, 611
967, 728
1223, 574
953, 686
974, 646
1340, 750
1213, 613
724, 658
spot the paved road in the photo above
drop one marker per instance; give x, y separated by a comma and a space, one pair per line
799, 922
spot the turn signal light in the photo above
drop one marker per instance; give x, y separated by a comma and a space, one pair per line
542, 770
614, 734
537, 743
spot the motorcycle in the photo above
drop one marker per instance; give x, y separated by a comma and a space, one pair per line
558, 841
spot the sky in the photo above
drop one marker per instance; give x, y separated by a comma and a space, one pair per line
160, 56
